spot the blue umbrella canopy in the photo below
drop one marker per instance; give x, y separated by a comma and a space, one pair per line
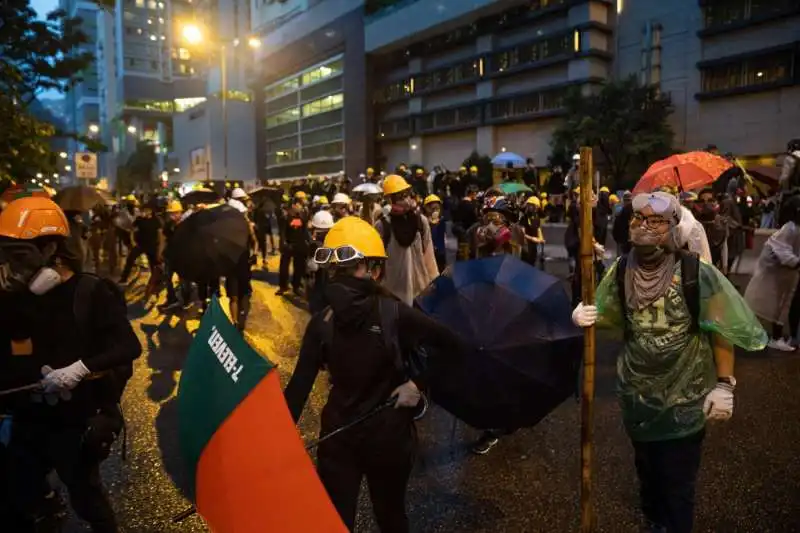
504, 158
529, 351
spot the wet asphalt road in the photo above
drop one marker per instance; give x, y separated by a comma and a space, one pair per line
749, 482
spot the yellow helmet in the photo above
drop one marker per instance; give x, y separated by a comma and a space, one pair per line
534, 201
463, 169
394, 184
577, 190
473, 168
174, 207
543, 195
613, 199
355, 232
300, 195
604, 189
370, 170
431, 198
419, 171
323, 200
285, 197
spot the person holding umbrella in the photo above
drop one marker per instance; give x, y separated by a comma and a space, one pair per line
681, 318
361, 313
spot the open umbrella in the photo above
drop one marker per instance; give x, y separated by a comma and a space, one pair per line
511, 187
81, 198
208, 244
268, 197
530, 351
692, 170
368, 188
504, 159
201, 196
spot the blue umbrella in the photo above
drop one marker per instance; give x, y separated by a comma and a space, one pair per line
504, 158
529, 351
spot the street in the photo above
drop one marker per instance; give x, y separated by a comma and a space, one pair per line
749, 482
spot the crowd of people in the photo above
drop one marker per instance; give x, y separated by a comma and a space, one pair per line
360, 255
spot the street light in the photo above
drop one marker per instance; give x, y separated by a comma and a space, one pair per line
39, 175
62, 155
193, 35
131, 129
55, 175
94, 128
67, 167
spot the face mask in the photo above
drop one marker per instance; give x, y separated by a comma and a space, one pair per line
44, 281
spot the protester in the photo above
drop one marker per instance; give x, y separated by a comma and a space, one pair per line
715, 226
70, 330
149, 241
407, 236
171, 221
681, 318
321, 223
433, 211
383, 448
294, 245
773, 290
340, 206
622, 221
465, 216
532, 227
262, 220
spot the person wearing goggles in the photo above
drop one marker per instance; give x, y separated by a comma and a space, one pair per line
363, 339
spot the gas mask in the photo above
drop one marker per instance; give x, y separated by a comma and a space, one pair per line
24, 266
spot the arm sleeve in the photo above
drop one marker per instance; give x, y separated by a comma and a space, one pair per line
779, 246
787, 170
609, 308
114, 341
723, 311
305, 373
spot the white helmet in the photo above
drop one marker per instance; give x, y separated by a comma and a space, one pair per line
576, 157
315, 200
341, 198
322, 220
238, 193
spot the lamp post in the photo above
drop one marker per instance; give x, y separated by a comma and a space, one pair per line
193, 35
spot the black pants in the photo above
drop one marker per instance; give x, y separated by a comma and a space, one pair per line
667, 472
262, 235
296, 255
205, 290
342, 464
185, 288
441, 259
138, 251
34, 451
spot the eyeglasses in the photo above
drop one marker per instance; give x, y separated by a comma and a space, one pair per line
342, 254
652, 220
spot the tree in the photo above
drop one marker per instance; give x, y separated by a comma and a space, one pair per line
37, 55
138, 172
625, 121
485, 167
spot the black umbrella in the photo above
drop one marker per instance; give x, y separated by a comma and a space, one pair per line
201, 196
529, 351
81, 198
268, 197
209, 244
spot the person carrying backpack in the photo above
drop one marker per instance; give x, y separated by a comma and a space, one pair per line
406, 234
681, 318
71, 334
362, 314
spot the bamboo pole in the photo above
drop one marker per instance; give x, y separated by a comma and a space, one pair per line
587, 296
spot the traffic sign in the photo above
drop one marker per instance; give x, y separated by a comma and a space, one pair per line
86, 165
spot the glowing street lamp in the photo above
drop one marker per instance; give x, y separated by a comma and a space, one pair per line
94, 128
67, 167
131, 129
192, 34
39, 175
254, 42
62, 155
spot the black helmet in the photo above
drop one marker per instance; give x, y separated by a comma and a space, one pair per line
793, 145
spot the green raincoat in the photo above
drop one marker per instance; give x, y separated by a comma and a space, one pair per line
665, 369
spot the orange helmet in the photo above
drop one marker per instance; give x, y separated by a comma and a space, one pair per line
31, 217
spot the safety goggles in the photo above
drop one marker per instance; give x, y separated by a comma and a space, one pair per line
341, 254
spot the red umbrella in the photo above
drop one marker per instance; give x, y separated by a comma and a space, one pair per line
692, 170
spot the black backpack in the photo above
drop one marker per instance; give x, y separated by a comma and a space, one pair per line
386, 230
690, 274
412, 364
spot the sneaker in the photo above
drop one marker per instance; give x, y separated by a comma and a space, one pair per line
781, 345
484, 444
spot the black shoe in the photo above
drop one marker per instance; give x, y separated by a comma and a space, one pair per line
281, 292
484, 444
298, 291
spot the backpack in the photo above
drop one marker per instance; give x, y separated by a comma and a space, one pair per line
386, 230
690, 274
411, 363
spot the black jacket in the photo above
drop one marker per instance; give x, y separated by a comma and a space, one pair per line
363, 371
105, 342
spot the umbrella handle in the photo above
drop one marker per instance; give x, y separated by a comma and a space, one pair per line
678, 176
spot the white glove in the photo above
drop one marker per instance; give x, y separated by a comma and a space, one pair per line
407, 394
599, 250
584, 316
719, 402
62, 379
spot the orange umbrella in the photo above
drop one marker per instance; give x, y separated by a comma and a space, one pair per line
692, 170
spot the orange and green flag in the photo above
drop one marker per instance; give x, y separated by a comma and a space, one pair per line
249, 466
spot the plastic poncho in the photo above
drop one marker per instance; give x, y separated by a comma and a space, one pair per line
691, 234
771, 289
665, 369
410, 270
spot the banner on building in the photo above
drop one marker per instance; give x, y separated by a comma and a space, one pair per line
198, 166
86, 165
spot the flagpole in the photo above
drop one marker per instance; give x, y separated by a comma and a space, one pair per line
587, 297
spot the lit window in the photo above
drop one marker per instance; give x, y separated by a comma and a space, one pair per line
139, 3
151, 4
183, 53
324, 104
